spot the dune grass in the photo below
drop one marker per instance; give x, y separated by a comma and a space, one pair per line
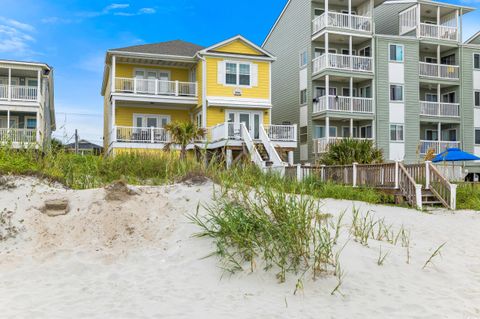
468, 196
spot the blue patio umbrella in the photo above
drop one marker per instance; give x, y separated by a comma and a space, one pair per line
455, 155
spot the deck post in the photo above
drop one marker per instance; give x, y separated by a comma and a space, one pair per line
354, 172
418, 195
9, 84
290, 157
113, 73
453, 196
229, 158
322, 173
427, 174
396, 174
299, 172
176, 88
152, 136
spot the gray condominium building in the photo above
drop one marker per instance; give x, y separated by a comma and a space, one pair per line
396, 72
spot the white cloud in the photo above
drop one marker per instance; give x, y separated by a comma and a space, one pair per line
15, 37
117, 9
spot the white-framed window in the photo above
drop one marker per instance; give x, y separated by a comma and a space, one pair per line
477, 136
396, 132
431, 135
431, 97
198, 119
303, 97
303, 58
237, 73
449, 135
346, 91
476, 61
346, 12
333, 131
319, 131
318, 11
396, 92
346, 131
396, 52
366, 131
364, 51
150, 120
30, 122
429, 59
476, 98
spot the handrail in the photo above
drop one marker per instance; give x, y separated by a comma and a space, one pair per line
254, 155
272, 152
441, 187
408, 186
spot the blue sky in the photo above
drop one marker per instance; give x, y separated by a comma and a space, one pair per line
73, 35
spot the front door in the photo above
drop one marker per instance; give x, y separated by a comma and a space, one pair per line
251, 120
163, 78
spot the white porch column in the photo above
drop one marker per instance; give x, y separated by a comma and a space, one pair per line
439, 91
438, 64
229, 158
327, 91
351, 94
327, 128
373, 130
112, 76
350, 14
37, 137
439, 135
418, 20
351, 128
438, 16
8, 118
9, 84
326, 46
290, 157
326, 11
459, 25
114, 137
38, 85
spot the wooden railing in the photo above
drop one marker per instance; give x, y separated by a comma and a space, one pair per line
376, 175
155, 87
342, 62
441, 188
417, 172
439, 109
409, 188
254, 155
342, 21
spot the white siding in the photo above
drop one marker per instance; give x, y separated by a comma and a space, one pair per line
303, 79
303, 116
396, 73
397, 113
476, 80
397, 151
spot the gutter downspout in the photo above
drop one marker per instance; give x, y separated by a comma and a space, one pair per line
204, 90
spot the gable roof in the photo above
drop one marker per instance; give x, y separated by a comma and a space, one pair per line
474, 39
175, 47
263, 53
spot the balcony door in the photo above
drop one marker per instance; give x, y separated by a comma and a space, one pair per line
145, 80
448, 97
251, 120
13, 122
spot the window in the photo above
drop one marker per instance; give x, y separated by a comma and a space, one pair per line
333, 131
237, 73
199, 119
347, 52
396, 132
319, 131
431, 97
364, 51
346, 92
477, 99
476, 61
448, 97
396, 53
30, 122
320, 91
303, 58
429, 59
366, 131
346, 131
477, 136
448, 60
431, 135
303, 97
318, 12
396, 92
303, 134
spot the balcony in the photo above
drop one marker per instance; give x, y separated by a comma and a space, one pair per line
442, 71
439, 109
437, 146
321, 145
342, 21
156, 87
342, 62
17, 136
18, 93
359, 105
438, 32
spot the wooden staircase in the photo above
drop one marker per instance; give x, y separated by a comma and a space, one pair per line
430, 199
263, 154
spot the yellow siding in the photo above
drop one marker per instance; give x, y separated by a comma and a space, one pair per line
124, 115
239, 47
216, 115
127, 71
262, 91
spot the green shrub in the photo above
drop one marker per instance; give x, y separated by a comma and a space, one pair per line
348, 151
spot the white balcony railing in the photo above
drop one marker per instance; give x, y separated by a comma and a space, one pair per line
155, 87
18, 92
441, 32
439, 109
320, 145
16, 135
343, 104
342, 62
443, 71
128, 134
437, 146
342, 21
285, 133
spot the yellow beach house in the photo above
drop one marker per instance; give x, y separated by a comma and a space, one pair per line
225, 88
27, 114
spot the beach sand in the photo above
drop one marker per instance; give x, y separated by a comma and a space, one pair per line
136, 258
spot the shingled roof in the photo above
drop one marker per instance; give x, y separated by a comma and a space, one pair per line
175, 47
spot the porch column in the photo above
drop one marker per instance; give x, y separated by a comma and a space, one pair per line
326, 11
350, 51
438, 17
290, 157
112, 76
9, 84
350, 14
8, 118
351, 94
326, 46
418, 19
37, 137
327, 128
373, 130
327, 91
351, 128
439, 133
38, 85
114, 138
439, 90
438, 64
229, 158
459, 25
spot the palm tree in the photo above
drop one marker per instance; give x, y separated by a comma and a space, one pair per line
184, 133
348, 151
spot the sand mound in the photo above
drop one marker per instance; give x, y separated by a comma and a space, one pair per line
119, 191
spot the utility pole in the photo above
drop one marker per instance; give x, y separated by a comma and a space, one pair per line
76, 141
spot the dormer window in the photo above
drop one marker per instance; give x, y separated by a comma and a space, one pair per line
237, 74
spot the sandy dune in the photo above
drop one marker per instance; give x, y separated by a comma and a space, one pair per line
135, 258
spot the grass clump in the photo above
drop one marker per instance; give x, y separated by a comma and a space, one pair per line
261, 227
468, 196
